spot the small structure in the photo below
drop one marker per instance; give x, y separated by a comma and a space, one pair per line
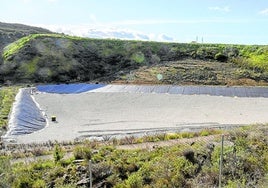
53, 118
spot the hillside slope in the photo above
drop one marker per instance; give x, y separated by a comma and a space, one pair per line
59, 58
12, 32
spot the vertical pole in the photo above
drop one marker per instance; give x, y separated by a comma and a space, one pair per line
90, 173
221, 158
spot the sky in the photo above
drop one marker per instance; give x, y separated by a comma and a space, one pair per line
208, 21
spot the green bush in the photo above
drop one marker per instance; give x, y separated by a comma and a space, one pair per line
42, 165
187, 135
23, 180
245, 164
171, 136
138, 57
134, 181
7, 97
204, 132
82, 152
5, 171
221, 57
40, 183
58, 153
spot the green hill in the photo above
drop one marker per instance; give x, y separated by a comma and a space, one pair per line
46, 58
12, 32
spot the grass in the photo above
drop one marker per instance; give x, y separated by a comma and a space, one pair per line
181, 165
17, 45
67, 59
7, 97
252, 55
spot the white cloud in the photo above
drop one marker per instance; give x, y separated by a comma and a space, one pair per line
117, 29
264, 12
107, 32
220, 9
164, 37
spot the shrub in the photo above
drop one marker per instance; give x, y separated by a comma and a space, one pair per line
58, 153
187, 135
221, 57
155, 59
138, 57
204, 132
82, 152
7, 96
42, 165
55, 173
171, 136
5, 170
134, 181
39, 184
23, 180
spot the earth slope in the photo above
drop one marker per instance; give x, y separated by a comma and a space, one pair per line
55, 58
12, 32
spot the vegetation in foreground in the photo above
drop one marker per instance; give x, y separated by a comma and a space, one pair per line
7, 97
194, 164
50, 58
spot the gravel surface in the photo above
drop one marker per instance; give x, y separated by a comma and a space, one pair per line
100, 115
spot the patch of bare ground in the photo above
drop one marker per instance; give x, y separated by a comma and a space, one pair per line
191, 72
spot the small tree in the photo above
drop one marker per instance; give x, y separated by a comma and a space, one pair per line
58, 153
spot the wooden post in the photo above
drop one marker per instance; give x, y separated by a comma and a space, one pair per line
221, 158
90, 173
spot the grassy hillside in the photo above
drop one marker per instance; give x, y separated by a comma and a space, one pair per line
12, 32
61, 58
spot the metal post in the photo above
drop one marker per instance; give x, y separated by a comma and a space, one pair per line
221, 158
90, 173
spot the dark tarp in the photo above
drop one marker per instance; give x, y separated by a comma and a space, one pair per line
68, 88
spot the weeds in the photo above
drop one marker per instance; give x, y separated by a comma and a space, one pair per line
7, 97
245, 162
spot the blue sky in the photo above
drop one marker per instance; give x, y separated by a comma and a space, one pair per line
216, 21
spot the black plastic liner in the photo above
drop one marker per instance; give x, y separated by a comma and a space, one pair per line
68, 88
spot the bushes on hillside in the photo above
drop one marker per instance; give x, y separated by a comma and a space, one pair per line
61, 58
